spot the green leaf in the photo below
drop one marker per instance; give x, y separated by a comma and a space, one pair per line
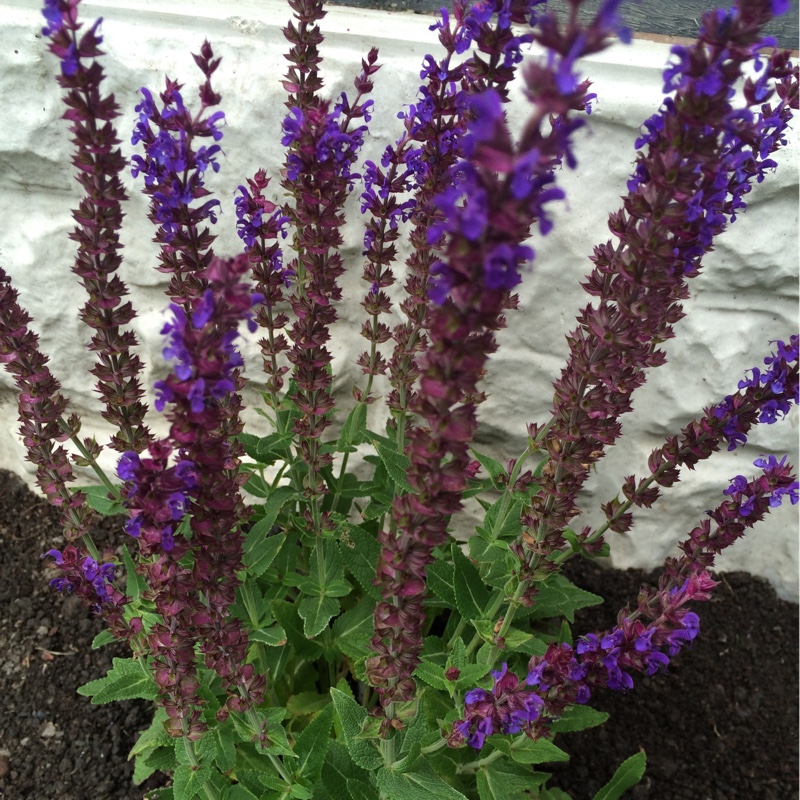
422, 784
352, 716
526, 751
628, 774
355, 426
239, 792
98, 499
509, 527
306, 703
492, 558
125, 681
494, 468
472, 597
358, 790
397, 464
353, 630
311, 746
102, 639
260, 548
432, 674
504, 780
554, 793
360, 552
559, 597
272, 636
578, 718
152, 737
135, 584
287, 616
267, 449
188, 782
161, 758
317, 613
441, 581
338, 770
160, 794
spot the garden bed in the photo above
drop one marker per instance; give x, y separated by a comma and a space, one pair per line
721, 725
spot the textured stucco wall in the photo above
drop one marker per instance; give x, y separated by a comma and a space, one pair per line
746, 295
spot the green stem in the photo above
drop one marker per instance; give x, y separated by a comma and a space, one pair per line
113, 490
472, 767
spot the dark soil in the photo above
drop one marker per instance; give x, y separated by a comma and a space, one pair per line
721, 725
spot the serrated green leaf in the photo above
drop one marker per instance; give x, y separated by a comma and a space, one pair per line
508, 527
305, 703
352, 716
628, 774
311, 746
261, 548
160, 794
504, 780
289, 619
441, 581
126, 680
492, 558
316, 613
239, 792
360, 552
472, 597
338, 769
358, 790
188, 782
397, 464
526, 751
554, 793
225, 749
153, 736
141, 771
355, 426
102, 639
98, 499
432, 674
559, 597
273, 636
161, 758
422, 784
578, 718
353, 630
493, 468
135, 584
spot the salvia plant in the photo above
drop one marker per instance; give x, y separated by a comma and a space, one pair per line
306, 630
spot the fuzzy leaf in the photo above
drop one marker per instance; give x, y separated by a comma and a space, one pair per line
441, 581
559, 597
578, 718
628, 774
352, 716
317, 612
360, 552
338, 770
98, 499
423, 784
494, 468
525, 751
135, 584
188, 782
504, 780
311, 746
126, 680
260, 548
287, 616
397, 464
472, 597
355, 426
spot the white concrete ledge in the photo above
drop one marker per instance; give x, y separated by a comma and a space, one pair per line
746, 295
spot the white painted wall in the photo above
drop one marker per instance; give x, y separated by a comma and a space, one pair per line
746, 295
